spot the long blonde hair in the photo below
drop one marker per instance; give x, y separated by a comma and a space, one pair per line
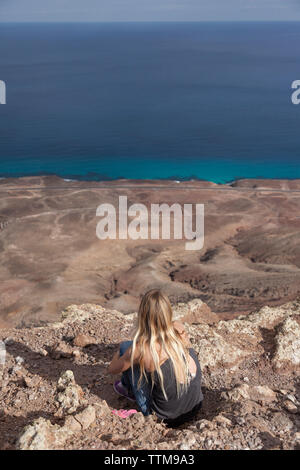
155, 326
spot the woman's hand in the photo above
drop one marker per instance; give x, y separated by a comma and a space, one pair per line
120, 363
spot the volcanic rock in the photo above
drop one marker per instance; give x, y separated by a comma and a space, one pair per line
69, 394
82, 341
55, 411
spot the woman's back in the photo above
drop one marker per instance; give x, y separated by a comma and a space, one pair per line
148, 359
176, 406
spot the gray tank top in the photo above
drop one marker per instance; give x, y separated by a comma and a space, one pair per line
175, 407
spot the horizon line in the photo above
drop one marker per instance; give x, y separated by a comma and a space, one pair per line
146, 21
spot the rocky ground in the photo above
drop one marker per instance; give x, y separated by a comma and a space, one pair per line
50, 256
55, 393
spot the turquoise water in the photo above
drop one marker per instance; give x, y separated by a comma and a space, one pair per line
102, 101
218, 171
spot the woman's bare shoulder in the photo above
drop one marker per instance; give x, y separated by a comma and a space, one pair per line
179, 326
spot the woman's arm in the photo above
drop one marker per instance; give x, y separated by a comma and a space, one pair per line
121, 363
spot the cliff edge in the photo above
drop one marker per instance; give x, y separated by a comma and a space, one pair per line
55, 393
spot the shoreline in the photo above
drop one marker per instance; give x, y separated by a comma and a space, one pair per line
44, 181
220, 171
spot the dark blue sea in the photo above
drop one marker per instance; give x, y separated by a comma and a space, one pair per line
150, 100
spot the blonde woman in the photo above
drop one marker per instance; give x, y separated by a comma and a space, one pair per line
159, 369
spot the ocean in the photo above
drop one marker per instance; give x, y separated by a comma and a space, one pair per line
150, 100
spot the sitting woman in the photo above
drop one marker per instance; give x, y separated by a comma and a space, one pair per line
159, 370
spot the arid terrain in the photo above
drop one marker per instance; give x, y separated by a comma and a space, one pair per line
50, 256
55, 392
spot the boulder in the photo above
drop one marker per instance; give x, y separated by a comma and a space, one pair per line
42, 435
217, 350
195, 312
61, 350
81, 340
256, 393
69, 394
280, 422
287, 353
86, 417
290, 406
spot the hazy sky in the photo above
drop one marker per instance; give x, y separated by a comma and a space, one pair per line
148, 10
